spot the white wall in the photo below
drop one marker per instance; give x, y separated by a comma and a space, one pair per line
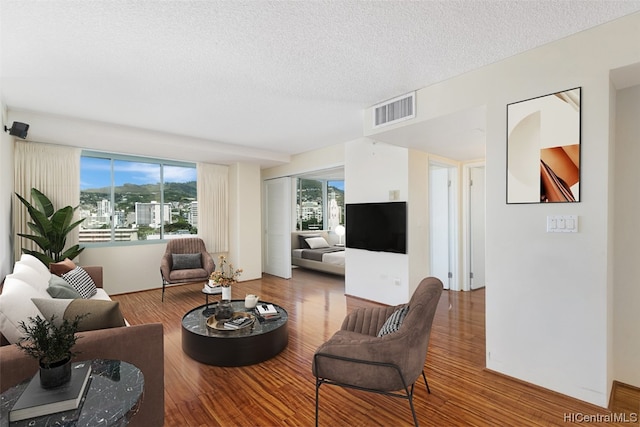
548, 317
372, 169
6, 197
245, 248
324, 158
127, 268
627, 235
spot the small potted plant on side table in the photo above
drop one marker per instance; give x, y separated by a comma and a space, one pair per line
50, 342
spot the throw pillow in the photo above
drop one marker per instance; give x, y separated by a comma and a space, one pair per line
81, 282
302, 239
394, 321
100, 314
186, 261
317, 242
16, 306
62, 267
59, 288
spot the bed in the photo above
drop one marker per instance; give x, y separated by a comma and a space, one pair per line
314, 250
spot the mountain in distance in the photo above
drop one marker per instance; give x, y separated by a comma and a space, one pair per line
173, 191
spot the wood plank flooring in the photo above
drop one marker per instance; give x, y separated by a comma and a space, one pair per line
281, 391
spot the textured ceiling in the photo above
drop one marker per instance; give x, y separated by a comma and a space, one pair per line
281, 76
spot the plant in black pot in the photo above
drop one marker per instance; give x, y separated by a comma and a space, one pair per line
51, 342
50, 228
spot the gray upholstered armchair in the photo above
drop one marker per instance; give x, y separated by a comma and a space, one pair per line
185, 260
381, 349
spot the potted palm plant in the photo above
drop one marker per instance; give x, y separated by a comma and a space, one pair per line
50, 228
51, 343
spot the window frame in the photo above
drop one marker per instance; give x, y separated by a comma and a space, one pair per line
325, 201
112, 158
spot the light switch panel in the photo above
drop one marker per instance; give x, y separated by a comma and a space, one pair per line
562, 223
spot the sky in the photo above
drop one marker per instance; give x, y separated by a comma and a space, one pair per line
96, 173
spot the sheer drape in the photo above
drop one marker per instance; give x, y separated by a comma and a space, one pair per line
213, 206
52, 169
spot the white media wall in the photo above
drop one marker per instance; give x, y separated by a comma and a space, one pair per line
372, 171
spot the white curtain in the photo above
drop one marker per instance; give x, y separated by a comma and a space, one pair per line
213, 206
52, 169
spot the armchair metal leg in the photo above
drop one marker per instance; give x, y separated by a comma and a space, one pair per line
425, 382
318, 384
164, 282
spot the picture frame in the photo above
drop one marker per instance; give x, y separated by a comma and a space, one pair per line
543, 148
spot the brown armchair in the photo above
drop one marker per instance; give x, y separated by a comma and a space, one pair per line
184, 261
357, 357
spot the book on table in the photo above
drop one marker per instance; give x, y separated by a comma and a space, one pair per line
238, 322
266, 310
36, 401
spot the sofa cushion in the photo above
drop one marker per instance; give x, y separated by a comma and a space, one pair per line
81, 282
30, 276
59, 288
100, 314
36, 264
394, 321
16, 306
186, 261
62, 267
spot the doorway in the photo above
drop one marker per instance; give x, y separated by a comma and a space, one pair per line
475, 253
443, 230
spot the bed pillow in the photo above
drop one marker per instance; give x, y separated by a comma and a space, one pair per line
186, 261
100, 314
394, 321
302, 239
317, 242
80, 280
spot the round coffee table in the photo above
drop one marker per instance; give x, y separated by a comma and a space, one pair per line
254, 344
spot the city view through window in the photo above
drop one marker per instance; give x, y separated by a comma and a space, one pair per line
123, 200
320, 204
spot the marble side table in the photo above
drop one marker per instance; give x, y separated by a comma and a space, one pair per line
113, 396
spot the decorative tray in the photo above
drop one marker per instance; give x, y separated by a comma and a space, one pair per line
218, 325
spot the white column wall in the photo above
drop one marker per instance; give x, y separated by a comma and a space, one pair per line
372, 169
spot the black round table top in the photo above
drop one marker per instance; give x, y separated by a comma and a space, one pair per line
254, 344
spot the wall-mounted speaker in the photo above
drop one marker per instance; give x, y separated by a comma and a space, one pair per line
18, 129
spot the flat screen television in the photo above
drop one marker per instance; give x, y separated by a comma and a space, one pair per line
380, 227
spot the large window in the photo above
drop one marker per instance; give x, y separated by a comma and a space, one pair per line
128, 199
319, 204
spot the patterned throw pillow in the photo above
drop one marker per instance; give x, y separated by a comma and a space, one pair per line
81, 282
394, 321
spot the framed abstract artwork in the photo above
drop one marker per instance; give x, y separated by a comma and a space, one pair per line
543, 148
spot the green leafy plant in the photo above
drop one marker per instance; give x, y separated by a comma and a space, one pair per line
46, 341
51, 228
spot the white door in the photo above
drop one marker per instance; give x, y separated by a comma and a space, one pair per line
477, 227
277, 233
442, 224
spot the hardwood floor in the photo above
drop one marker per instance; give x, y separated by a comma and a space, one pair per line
281, 391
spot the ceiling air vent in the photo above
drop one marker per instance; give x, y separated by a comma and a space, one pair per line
395, 110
